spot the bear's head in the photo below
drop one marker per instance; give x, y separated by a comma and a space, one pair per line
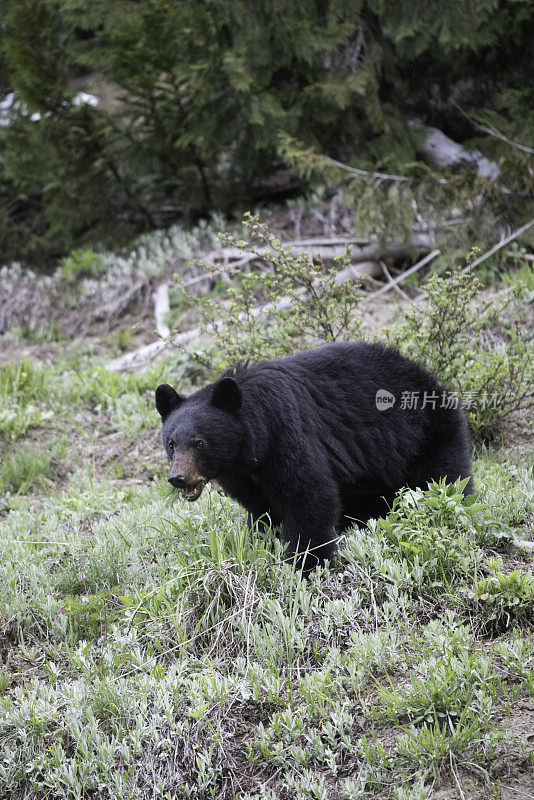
202, 434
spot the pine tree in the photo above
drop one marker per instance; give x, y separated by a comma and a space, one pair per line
208, 91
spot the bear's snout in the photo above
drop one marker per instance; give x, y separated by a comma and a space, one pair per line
177, 480
185, 475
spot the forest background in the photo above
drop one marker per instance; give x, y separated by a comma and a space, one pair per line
121, 117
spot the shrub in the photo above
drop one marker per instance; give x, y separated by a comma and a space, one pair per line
82, 263
478, 347
432, 531
274, 311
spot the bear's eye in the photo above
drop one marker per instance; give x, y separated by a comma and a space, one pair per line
199, 443
171, 448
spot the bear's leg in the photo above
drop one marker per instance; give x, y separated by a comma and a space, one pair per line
362, 504
249, 495
451, 461
309, 529
263, 517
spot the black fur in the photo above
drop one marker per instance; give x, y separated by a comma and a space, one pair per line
300, 442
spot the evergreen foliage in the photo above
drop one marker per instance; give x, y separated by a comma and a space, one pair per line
201, 93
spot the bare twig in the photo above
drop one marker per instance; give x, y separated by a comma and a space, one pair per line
455, 776
404, 275
383, 176
499, 246
528, 795
327, 242
396, 288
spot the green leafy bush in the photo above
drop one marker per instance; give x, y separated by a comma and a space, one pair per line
288, 305
433, 531
479, 348
81, 263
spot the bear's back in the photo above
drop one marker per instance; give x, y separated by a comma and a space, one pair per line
328, 398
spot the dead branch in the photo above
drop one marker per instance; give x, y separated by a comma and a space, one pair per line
382, 176
520, 256
326, 242
499, 246
394, 286
402, 276
161, 309
120, 303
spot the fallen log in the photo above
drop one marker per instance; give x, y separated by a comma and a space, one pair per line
328, 250
439, 151
521, 546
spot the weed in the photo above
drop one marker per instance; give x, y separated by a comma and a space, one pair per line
81, 264
23, 388
24, 382
504, 599
507, 490
446, 691
433, 745
433, 531
123, 338
517, 654
523, 276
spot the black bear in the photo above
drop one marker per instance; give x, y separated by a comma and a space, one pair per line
317, 440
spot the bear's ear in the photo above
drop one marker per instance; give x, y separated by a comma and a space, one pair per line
226, 395
167, 400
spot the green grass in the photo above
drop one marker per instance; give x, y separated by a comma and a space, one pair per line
23, 389
153, 648
28, 466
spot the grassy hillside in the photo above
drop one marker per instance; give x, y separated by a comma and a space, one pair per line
150, 648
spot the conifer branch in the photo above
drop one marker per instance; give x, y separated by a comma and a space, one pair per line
491, 130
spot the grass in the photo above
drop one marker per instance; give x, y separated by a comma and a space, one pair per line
152, 648
26, 467
23, 387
